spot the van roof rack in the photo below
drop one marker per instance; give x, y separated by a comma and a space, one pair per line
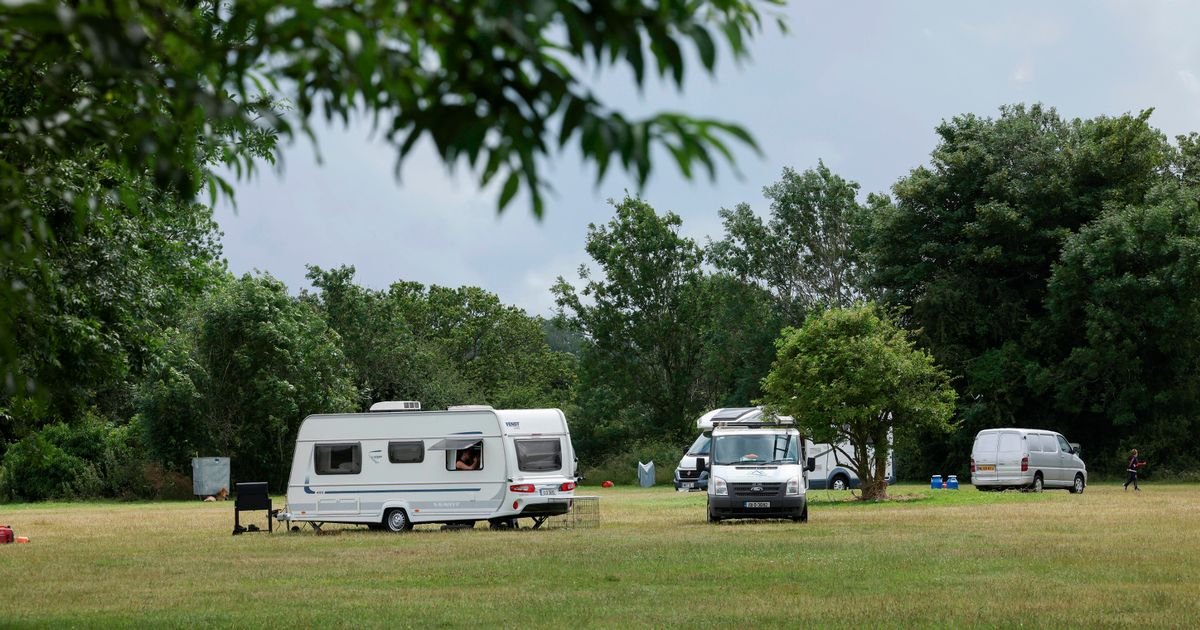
779, 422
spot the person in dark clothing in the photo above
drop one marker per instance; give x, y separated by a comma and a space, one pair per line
1132, 469
468, 459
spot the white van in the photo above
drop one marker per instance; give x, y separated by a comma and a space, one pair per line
687, 475
833, 470
1026, 458
394, 468
757, 470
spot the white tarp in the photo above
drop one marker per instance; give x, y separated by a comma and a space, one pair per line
646, 474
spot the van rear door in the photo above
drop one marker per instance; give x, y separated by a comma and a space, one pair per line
1009, 453
984, 454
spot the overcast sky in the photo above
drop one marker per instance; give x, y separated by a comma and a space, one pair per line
860, 85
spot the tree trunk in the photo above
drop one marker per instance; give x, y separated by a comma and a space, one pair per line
874, 486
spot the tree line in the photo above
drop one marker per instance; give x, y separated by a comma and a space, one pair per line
1047, 267
1050, 268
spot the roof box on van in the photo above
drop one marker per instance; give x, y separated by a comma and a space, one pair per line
739, 415
729, 414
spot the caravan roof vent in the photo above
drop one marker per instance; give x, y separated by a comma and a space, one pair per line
397, 405
470, 408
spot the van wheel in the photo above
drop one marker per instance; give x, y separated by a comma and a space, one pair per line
396, 520
840, 482
803, 518
713, 518
1077, 487
1038, 485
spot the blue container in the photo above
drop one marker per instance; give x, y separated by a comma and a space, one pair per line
936, 482
952, 482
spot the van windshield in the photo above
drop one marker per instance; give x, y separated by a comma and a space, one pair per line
762, 448
700, 446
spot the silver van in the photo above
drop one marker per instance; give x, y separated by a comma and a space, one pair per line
1026, 458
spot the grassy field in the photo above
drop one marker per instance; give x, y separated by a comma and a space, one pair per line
944, 558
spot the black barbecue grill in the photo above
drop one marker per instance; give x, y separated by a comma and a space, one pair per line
252, 496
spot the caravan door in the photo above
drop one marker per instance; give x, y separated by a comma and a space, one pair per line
336, 467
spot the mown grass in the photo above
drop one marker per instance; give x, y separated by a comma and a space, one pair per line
935, 558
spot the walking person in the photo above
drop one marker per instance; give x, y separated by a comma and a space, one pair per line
1132, 469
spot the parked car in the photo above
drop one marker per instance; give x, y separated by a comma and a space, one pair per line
1032, 459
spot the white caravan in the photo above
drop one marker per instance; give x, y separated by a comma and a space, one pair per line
393, 468
757, 470
832, 471
1026, 458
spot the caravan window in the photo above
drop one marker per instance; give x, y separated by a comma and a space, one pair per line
406, 452
539, 455
469, 458
338, 459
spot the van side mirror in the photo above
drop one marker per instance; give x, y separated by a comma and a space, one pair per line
701, 464
811, 464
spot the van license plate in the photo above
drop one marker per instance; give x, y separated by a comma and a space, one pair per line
758, 504
686, 485
985, 467
547, 491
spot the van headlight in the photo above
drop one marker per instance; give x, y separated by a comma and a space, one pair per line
793, 487
720, 488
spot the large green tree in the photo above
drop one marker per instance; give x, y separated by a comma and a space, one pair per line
967, 245
1124, 300
642, 317
168, 89
100, 297
441, 346
738, 329
806, 253
852, 375
242, 373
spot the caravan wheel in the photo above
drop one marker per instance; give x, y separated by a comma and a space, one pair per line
396, 520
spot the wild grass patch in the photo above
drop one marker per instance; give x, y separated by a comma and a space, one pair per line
932, 558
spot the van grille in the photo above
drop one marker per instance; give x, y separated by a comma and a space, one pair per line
756, 489
689, 474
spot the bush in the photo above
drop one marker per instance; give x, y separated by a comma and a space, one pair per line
622, 468
87, 460
36, 469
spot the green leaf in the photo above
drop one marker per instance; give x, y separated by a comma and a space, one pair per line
510, 189
576, 109
704, 45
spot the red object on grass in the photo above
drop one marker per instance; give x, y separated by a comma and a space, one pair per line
6, 534
606, 484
